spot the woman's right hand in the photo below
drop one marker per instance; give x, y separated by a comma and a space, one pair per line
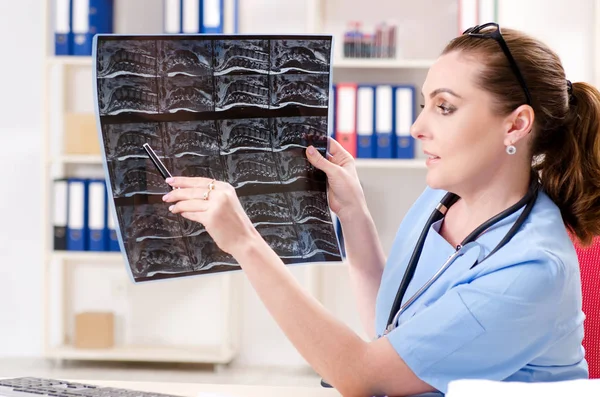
345, 192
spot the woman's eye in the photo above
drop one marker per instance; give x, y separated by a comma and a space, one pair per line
446, 109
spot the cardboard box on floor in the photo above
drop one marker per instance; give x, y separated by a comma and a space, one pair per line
81, 134
94, 330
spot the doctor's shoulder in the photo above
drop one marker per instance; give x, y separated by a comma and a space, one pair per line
542, 246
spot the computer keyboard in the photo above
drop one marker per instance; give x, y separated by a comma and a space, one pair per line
59, 388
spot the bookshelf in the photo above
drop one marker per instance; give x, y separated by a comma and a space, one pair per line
68, 88
63, 78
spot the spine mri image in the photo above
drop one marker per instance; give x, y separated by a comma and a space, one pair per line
239, 109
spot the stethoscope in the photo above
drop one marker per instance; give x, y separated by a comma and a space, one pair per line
438, 213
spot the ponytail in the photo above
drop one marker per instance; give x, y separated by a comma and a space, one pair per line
570, 166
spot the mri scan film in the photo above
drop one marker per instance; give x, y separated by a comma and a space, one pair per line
238, 109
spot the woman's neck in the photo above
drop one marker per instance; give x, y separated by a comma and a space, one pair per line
476, 206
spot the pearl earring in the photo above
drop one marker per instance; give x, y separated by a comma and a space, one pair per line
511, 149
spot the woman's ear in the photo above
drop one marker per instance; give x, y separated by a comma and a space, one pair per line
519, 124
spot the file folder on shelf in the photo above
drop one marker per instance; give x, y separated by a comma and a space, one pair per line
77, 216
113, 240
62, 28
202, 16
365, 121
404, 116
345, 119
60, 208
191, 16
212, 16
384, 121
90, 17
468, 14
97, 229
172, 16
231, 16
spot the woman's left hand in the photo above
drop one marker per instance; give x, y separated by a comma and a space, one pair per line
215, 205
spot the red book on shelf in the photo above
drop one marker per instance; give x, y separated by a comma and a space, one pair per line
345, 116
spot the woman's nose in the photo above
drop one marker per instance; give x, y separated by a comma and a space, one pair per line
417, 129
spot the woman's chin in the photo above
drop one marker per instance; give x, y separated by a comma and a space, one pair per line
435, 181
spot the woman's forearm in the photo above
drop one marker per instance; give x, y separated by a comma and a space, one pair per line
367, 260
328, 345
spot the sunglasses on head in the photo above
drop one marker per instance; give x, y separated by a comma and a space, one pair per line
495, 34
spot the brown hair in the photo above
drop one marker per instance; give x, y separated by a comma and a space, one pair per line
565, 148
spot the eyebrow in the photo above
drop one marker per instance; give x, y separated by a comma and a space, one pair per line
440, 90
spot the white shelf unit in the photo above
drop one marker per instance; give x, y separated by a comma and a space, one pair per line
376, 175
180, 354
59, 73
349, 63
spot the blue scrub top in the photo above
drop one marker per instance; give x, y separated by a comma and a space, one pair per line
516, 316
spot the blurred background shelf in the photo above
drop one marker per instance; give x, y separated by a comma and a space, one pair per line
77, 159
349, 63
88, 256
161, 312
179, 354
69, 60
390, 163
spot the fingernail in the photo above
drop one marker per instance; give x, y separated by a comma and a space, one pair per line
169, 180
171, 208
311, 150
165, 197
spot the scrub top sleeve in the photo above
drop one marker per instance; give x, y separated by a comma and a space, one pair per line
489, 328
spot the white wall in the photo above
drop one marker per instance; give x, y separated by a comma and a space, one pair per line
565, 26
21, 76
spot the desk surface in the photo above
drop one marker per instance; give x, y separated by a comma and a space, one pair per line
194, 389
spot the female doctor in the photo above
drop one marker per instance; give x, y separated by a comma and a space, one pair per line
518, 147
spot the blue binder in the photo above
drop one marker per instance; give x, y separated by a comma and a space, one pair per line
113, 240
404, 117
384, 121
97, 233
90, 17
77, 218
212, 16
63, 35
173, 16
365, 122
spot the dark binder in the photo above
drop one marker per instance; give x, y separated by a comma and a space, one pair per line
60, 214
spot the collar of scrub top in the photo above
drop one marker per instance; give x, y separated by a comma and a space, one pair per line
438, 213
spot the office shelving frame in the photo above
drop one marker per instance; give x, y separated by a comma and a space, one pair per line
230, 282
62, 261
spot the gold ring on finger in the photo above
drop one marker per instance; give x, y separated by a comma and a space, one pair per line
211, 185
205, 195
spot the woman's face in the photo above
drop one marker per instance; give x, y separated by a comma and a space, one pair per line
463, 139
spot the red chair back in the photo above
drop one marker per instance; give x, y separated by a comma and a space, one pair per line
589, 262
